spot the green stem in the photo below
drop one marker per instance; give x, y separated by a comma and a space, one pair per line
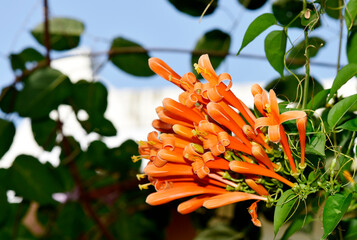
307, 64
340, 3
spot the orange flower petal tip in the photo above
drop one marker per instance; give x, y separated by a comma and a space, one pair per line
163, 70
230, 197
192, 204
256, 89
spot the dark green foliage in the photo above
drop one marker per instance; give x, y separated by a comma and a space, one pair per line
194, 7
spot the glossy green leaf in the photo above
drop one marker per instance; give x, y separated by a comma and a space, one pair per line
8, 97
340, 109
252, 4
287, 12
28, 55
214, 40
296, 225
259, 25
319, 100
32, 180
43, 91
286, 87
274, 46
45, 132
351, 14
297, 54
284, 209
312, 21
352, 47
335, 207
7, 133
130, 57
316, 145
194, 7
64, 33
343, 76
350, 125
333, 8
99, 125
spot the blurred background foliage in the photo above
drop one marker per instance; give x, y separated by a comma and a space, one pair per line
92, 193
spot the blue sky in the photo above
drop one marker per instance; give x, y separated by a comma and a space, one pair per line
154, 24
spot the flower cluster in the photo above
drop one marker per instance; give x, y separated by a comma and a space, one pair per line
213, 148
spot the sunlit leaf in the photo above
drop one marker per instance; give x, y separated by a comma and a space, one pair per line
274, 46
32, 180
252, 4
259, 25
7, 133
284, 209
64, 33
346, 73
316, 145
214, 40
352, 47
319, 100
340, 109
43, 91
296, 225
351, 14
286, 88
350, 125
45, 132
194, 7
28, 55
335, 207
130, 57
297, 54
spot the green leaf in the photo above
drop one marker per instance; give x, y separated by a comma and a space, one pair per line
297, 54
43, 91
275, 45
296, 225
194, 7
32, 180
4, 204
350, 125
340, 109
252, 4
214, 40
335, 207
312, 21
343, 76
351, 232
286, 87
28, 55
259, 25
286, 11
7, 133
351, 14
352, 47
64, 33
219, 231
45, 132
332, 8
319, 100
284, 209
316, 145
130, 57
8, 96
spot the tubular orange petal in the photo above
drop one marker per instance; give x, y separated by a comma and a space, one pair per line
256, 89
162, 126
253, 213
260, 155
256, 187
183, 131
167, 119
230, 197
290, 115
274, 133
171, 156
249, 168
236, 144
162, 69
192, 204
301, 125
285, 143
222, 117
264, 121
234, 115
249, 132
181, 110
185, 190
218, 163
273, 103
169, 169
206, 69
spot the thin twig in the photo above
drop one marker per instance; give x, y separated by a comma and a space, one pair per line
47, 33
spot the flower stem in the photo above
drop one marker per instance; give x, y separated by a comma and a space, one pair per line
307, 64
